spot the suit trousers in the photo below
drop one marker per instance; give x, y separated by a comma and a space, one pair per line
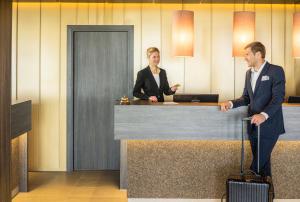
267, 144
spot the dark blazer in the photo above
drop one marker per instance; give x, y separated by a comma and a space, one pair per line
268, 97
145, 81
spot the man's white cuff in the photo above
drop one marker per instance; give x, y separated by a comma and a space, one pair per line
231, 105
265, 115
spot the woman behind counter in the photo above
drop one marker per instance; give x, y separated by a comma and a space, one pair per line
152, 80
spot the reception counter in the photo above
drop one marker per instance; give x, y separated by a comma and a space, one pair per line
20, 125
187, 150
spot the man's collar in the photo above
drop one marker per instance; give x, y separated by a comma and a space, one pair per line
260, 69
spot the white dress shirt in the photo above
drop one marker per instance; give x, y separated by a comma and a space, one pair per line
255, 74
156, 77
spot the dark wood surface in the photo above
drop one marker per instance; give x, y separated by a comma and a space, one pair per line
20, 118
5, 98
102, 71
20, 125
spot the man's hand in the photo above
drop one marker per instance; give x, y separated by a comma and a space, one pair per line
258, 119
225, 106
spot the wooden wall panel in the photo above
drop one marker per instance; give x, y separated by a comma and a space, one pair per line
133, 16
290, 65
108, 14
222, 60
151, 29
173, 65
14, 52
278, 32
39, 56
29, 72
82, 14
100, 14
263, 28
198, 68
240, 65
240, 68
68, 17
297, 78
93, 10
50, 86
118, 14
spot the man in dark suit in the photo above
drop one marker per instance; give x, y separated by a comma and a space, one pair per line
264, 93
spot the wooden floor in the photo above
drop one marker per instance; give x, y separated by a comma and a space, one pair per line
100, 186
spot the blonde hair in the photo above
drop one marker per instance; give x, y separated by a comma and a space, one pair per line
151, 50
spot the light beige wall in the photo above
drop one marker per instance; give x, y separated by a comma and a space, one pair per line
39, 57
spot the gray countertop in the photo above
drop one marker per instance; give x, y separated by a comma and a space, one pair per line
143, 120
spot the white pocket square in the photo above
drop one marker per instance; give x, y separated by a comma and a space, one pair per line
265, 78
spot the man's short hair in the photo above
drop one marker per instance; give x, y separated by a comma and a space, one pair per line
257, 46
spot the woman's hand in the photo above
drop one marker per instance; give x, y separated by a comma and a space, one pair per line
153, 98
174, 88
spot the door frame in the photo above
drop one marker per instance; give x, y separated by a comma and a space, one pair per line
71, 29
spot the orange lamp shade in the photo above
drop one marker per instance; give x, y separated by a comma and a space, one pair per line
296, 34
243, 31
183, 33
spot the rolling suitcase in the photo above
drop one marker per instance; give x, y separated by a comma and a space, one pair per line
249, 187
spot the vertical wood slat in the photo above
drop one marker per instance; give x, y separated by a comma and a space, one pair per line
100, 14
240, 66
278, 30
297, 77
29, 67
108, 14
83, 14
68, 17
263, 22
118, 14
132, 16
222, 64
290, 62
13, 52
197, 76
93, 13
174, 66
5, 99
49, 85
151, 32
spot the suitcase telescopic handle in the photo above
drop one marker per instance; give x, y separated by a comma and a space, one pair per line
243, 147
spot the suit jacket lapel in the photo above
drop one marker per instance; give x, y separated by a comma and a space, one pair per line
263, 71
160, 79
248, 84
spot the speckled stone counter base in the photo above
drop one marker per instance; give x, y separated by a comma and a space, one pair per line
198, 169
